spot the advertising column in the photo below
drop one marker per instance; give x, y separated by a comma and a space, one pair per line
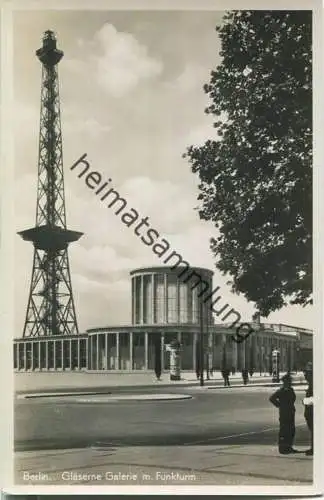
174, 348
275, 365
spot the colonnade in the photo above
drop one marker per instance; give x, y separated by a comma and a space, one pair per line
163, 298
128, 350
50, 354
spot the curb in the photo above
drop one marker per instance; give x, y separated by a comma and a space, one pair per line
216, 384
34, 395
270, 384
108, 397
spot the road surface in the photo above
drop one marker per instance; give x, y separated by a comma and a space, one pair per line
237, 415
220, 436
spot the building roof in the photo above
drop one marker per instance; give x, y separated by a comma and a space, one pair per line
171, 269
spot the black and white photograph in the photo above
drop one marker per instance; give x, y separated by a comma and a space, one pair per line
164, 328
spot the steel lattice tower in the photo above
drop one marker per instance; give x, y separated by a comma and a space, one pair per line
50, 309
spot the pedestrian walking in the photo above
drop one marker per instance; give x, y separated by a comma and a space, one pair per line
284, 399
245, 376
228, 372
225, 374
309, 405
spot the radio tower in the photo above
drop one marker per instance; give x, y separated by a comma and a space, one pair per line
50, 309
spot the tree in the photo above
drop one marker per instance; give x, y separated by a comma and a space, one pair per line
256, 177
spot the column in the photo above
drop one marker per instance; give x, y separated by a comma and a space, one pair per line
32, 356
39, 355
70, 355
117, 350
78, 353
93, 354
292, 360
165, 298
146, 351
97, 351
162, 353
266, 354
62, 355
106, 352
210, 349
46, 355
142, 300
131, 350
54, 356
260, 345
25, 356
153, 298
178, 301
88, 353
234, 355
133, 300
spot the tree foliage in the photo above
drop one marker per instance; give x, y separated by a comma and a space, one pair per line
256, 177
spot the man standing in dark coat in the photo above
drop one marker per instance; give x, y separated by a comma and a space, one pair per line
309, 406
284, 399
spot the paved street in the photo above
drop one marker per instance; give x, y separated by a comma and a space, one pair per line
221, 436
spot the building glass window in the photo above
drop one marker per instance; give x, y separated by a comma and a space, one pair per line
50, 354
15, 356
194, 305
133, 300
147, 283
138, 299
83, 353
42, 355
123, 339
172, 299
159, 296
187, 339
183, 303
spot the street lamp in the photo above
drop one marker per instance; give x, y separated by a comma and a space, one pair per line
202, 353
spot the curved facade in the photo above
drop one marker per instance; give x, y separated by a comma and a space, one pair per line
166, 306
161, 295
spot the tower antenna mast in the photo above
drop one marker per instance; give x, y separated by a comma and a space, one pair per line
50, 309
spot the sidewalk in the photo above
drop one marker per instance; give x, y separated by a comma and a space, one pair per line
169, 465
66, 381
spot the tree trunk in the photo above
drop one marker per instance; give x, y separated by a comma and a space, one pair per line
158, 365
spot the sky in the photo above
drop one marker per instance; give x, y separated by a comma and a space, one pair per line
132, 100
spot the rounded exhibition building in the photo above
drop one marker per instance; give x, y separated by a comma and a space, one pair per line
169, 304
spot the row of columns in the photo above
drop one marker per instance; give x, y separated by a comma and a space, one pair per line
88, 353
95, 348
140, 315
38, 354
